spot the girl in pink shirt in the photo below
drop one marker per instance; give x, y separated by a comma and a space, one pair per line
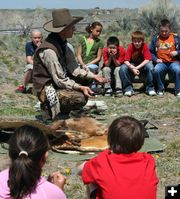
28, 151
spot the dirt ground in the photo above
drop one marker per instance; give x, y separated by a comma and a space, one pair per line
164, 113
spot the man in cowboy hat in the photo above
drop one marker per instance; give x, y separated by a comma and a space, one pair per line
57, 78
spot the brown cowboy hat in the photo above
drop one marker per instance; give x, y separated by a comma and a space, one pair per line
61, 19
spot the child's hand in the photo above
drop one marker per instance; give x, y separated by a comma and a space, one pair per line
80, 168
114, 52
57, 179
159, 61
38, 44
135, 71
173, 53
109, 51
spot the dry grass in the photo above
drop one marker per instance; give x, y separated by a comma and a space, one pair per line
163, 112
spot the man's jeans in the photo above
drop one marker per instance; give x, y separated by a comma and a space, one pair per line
127, 77
160, 71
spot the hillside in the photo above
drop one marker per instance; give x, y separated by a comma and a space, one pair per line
20, 19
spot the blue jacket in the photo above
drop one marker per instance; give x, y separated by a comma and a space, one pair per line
154, 43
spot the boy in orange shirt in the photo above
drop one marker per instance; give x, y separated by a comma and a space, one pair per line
165, 50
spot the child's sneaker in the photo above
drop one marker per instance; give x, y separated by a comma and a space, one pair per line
160, 93
108, 92
177, 93
21, 89
129, 93
151, 93
118, 92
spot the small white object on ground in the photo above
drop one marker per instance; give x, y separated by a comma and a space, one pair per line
98, 105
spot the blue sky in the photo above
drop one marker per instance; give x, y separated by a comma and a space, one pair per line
74, 4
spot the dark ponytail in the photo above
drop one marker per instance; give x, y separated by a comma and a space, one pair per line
92, 26
27, 147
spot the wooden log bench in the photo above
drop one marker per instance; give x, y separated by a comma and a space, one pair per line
168, 79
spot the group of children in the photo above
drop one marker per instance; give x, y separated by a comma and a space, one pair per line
120, 171
121, 66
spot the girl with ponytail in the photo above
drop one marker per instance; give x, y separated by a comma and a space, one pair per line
28, 151
90, 49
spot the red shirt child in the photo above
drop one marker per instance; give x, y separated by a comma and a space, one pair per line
121, 171
113, 56
137, 55
119, 57
122, 175
137, 63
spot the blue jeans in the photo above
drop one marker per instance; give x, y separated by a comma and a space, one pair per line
160, 71
93, 68
127, 77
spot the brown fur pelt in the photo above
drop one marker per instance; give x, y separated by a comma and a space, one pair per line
85, 126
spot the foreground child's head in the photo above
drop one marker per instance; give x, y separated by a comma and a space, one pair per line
125, 135
27, 150
94, 29
137, 39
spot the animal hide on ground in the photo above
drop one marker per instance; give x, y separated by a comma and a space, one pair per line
81, 134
